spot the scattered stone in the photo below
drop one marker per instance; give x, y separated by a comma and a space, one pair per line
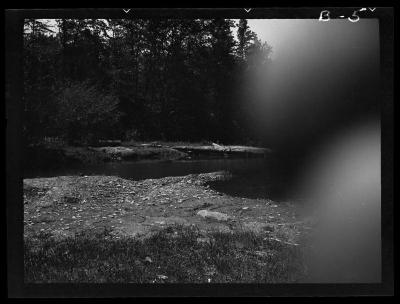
148, 260
203, 240
162, 277
71, 200
262, 254
268, 228
44, 219
239, 245
165, 202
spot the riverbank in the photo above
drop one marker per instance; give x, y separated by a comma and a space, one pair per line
158, 214
53, 156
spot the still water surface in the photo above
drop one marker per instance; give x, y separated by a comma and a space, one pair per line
137, 170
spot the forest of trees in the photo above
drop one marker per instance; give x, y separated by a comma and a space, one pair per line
140, 79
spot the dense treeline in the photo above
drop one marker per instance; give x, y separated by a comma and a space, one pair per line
154, 79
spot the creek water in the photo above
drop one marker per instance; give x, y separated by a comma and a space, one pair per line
137, 170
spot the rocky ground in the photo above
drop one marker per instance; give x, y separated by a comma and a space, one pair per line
66, 205
168, 230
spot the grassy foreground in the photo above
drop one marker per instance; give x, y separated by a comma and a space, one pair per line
173, 255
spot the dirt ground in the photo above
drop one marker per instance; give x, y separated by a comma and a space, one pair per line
66, 205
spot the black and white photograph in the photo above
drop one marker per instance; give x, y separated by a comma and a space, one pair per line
201, 146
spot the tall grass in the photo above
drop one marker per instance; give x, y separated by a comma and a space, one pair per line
173, 255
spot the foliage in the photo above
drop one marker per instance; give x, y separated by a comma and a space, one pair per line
84, 112
173, 79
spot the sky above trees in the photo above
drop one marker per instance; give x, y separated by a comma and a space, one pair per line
282, 34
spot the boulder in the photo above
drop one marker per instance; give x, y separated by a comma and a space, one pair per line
213, 215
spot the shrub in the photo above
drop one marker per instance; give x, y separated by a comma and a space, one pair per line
84, 113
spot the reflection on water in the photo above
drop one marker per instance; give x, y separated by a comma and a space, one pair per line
253, 184
137, 170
